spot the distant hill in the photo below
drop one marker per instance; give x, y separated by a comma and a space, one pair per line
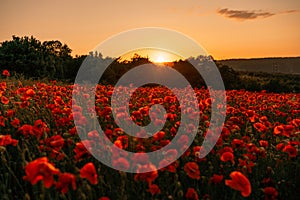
289, 65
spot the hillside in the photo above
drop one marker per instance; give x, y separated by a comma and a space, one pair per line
289, 65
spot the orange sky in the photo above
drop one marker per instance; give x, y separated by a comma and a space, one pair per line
225, 28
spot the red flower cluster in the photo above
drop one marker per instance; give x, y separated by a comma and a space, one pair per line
6, 140
40, 170
260, 136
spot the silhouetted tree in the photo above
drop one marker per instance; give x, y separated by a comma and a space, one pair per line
28, 56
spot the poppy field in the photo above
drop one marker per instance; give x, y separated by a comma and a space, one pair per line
42, 156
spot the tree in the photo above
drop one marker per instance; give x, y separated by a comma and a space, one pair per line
28, 56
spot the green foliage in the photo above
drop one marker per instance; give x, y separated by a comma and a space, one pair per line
279, 83
30, 57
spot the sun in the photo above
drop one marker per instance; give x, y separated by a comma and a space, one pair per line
159, 59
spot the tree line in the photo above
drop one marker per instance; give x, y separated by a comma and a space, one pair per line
53, 60
35, 59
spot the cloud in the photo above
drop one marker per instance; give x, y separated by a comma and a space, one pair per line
244, 14
289, 11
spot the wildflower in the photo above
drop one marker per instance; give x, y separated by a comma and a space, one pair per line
263, 143
80, 150
216, 179
40, 170
191, 194
56, 142
291, 150
4, 100
260, 127
26, 130
239, 182
227, 156
149, 176
270, 193
2, 121
7, 140
140, 158
64, 180
192, 170
154, 189
121, 163
88, 171
104, 198
5, 73
15, 123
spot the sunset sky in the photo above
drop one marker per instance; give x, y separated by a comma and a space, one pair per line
225, 28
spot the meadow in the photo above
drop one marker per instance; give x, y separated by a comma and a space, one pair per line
42, 156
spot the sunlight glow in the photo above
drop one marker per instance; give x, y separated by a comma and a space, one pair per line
159, 59
155, 55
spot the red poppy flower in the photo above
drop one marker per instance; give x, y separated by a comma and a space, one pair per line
93, 135
191, 194
237, 143
7, 140
270, 193
104, 198
216, 179
158, 136
170, 154
40, 169
40, 128
118, 143
248, 164
183, 140
192, 170
225, 149
279, 146
149, 177
29, 93
26, 130
227, 156
24, 104
5, 73
140, 158
196, 152
260, 127
3, 86
56, 142
118, 131
123, 140
88, 171
239, 182
173, 131
4, 100
171, 167
121, 163
15, 123
80, 150
64, 180
296, 122
288, 129
291, 150
278, 130
263, 143
154, 189
2, 121
10, 113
